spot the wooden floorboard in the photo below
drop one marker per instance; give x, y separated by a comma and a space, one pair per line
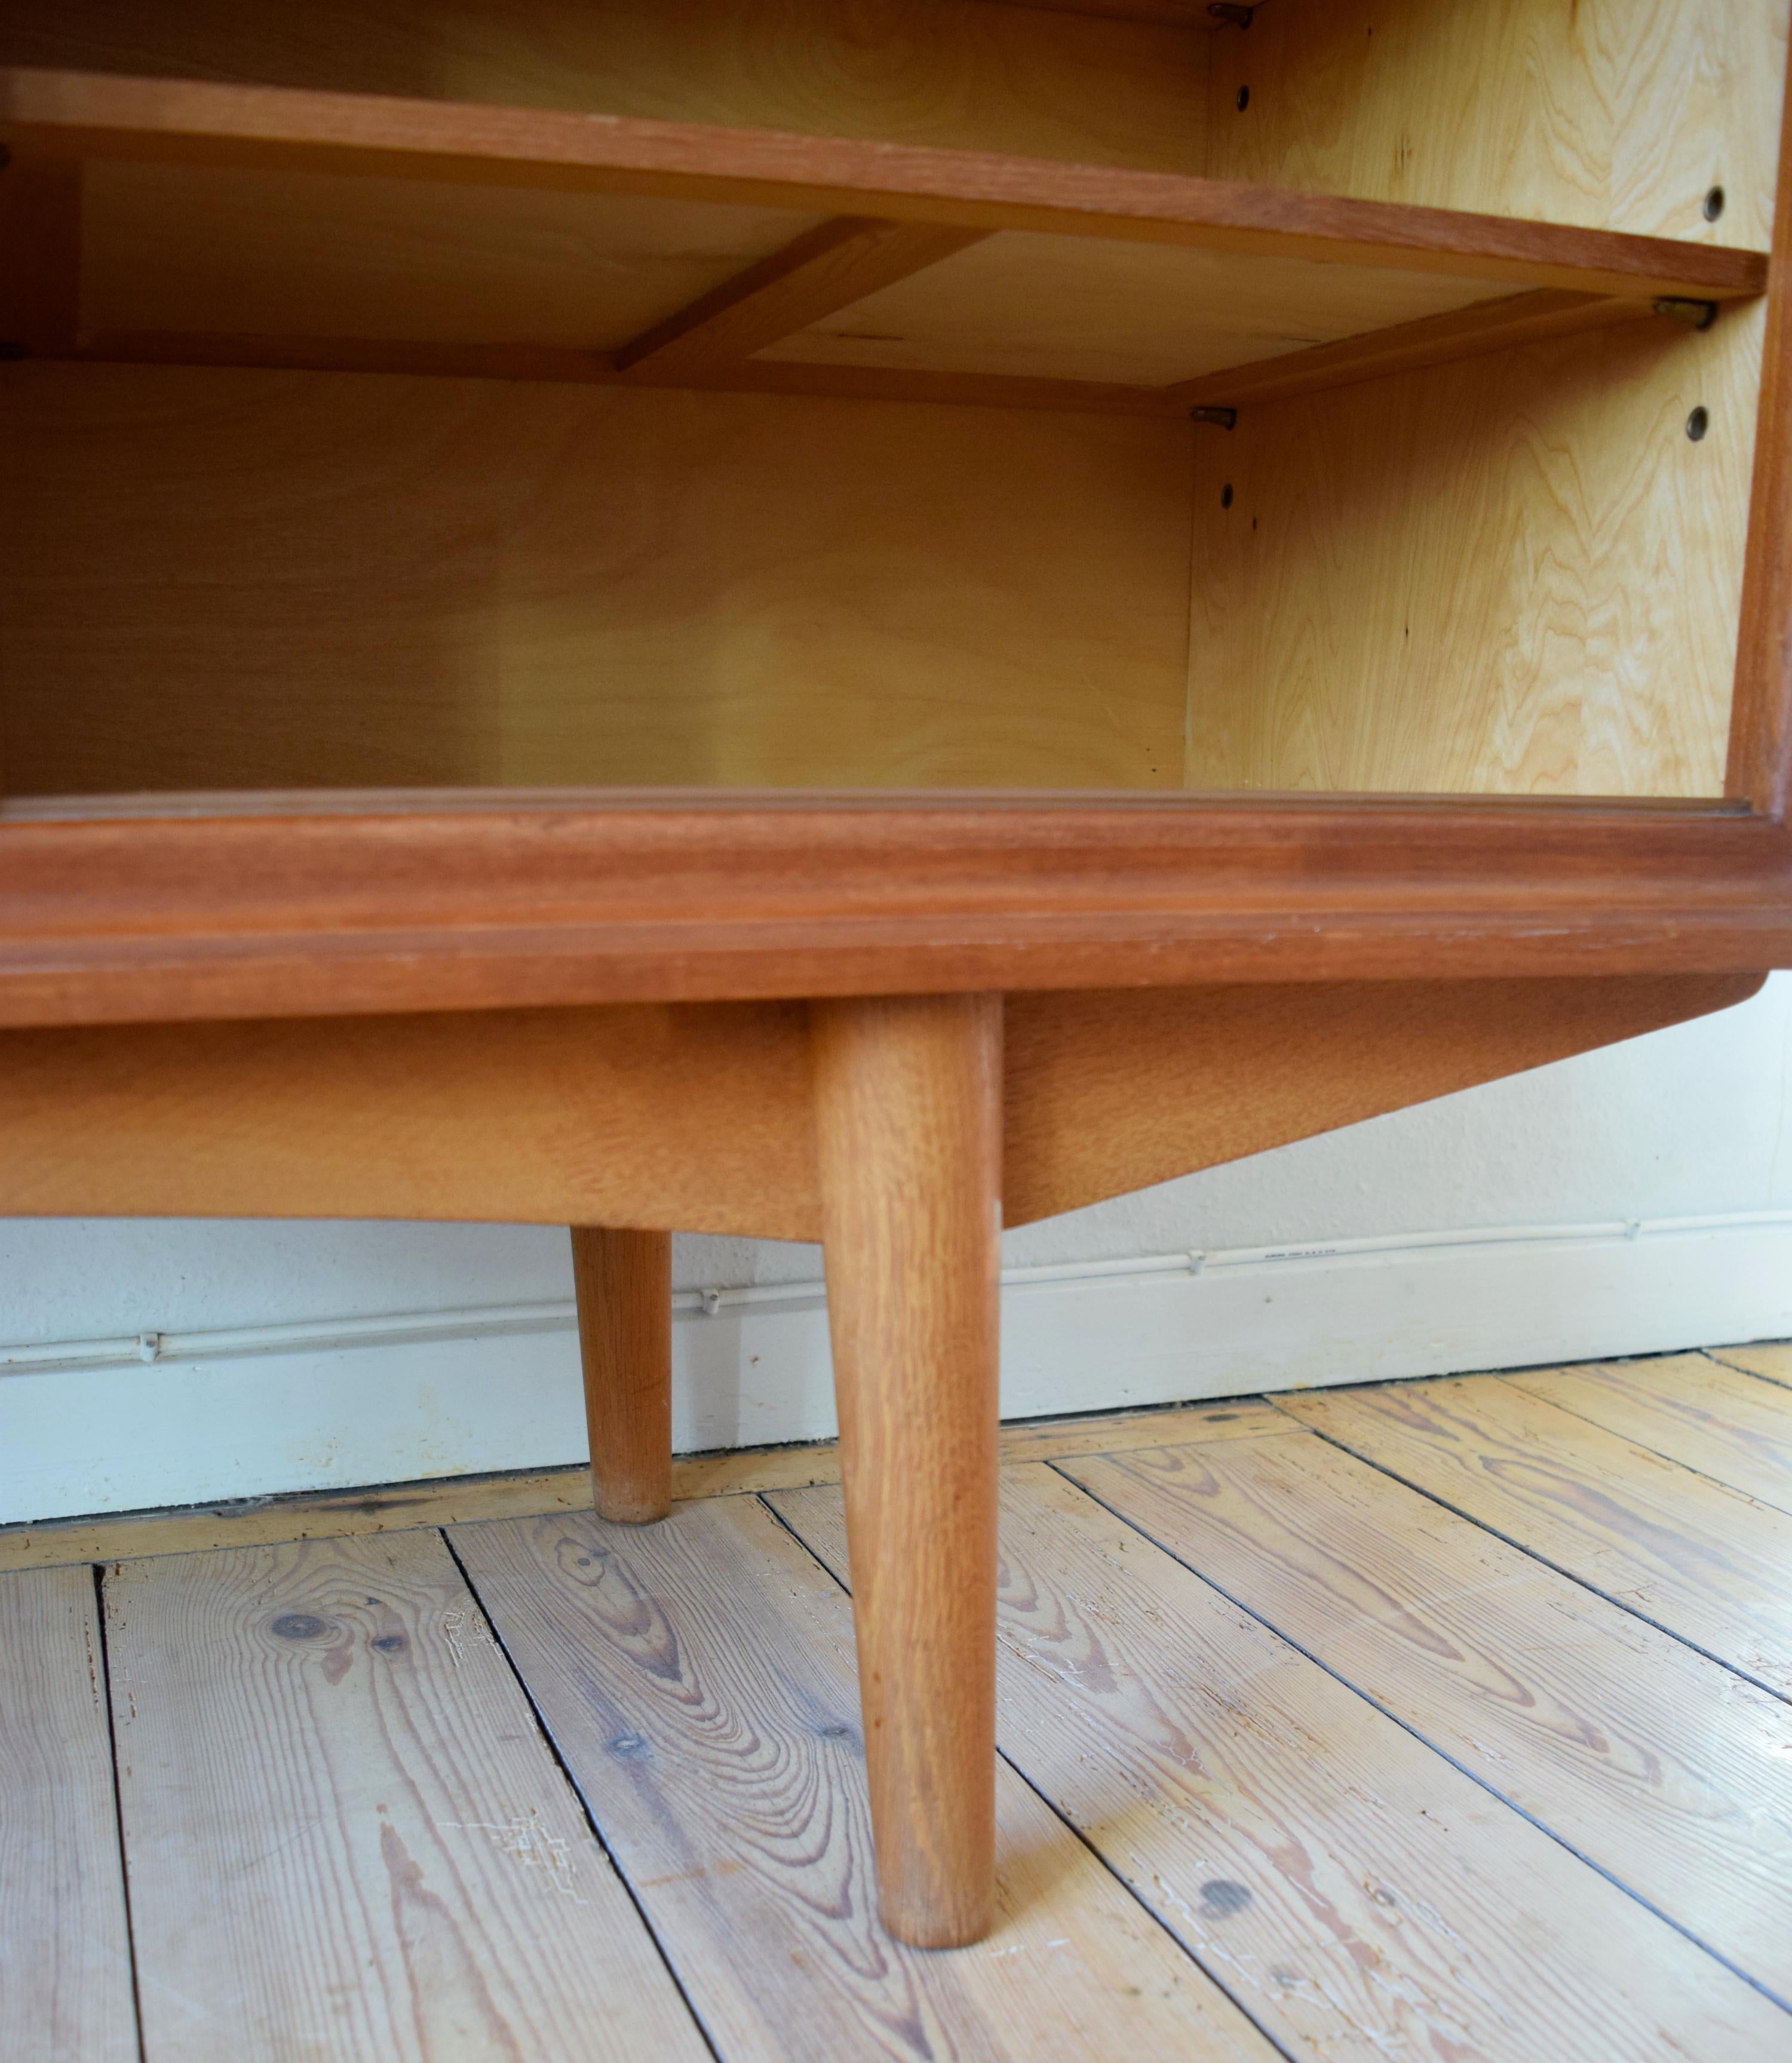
1244, 1418
1442, 1749
345, 1836
65, 1959
464, 1500
1726, 1424
1658, 1765
1771, 1360
698, 1678
1361, 1896
1690, 1555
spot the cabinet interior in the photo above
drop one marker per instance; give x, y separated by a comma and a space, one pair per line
335, 478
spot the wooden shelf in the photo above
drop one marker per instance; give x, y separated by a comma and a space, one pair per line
186, 222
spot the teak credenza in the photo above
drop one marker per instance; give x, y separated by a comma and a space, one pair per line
862, 619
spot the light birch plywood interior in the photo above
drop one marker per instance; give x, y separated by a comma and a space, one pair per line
1095, 86
1608, 113
289, 580
1510, 573
1515, 575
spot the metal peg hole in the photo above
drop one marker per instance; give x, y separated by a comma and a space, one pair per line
1244, 99
1698, 423
1713, 203
1225, 494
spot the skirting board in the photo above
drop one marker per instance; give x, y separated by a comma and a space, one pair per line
99, 1426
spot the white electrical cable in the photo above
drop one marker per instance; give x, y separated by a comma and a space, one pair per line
493, 1320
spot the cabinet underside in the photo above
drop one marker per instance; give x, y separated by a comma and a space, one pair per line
700, 1117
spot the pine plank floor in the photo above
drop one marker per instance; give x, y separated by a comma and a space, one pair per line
1433, 1720
65, 1962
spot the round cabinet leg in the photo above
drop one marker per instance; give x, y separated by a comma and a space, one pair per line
908, 1126
623, 1280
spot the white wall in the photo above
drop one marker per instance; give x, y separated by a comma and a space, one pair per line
1630, 1200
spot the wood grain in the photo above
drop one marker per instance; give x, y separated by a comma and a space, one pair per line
234, 907
90, 114
697, 1679
1604, 113
623, 1283
1000, 79
65, 1961
1440, 340
651, 1118
1359, 1896
699, 1116
1652, 1763
563, 364
345, 1835
1772, 1359
300, 255
1690, 1556
1232, 1418
832, 266
908, 1136
1111, 1090
838, 368
755, 1470
1759, 766
1729, 1426
1035, 82
466, 1500
1074, 307
1457, 580
270, 1520
294, 580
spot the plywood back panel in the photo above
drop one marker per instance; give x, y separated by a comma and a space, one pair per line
1515, 575
225, 579
1611, 113
968, 73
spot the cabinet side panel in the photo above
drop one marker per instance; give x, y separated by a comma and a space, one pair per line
223, 579
1516, 575
1608, 113
968, 73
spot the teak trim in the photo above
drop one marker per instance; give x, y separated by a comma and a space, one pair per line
376, 902
69, 113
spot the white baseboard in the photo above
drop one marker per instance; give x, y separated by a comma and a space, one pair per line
127, 1424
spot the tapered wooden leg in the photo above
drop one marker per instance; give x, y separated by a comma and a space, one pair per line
909, 1128
623, 1280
